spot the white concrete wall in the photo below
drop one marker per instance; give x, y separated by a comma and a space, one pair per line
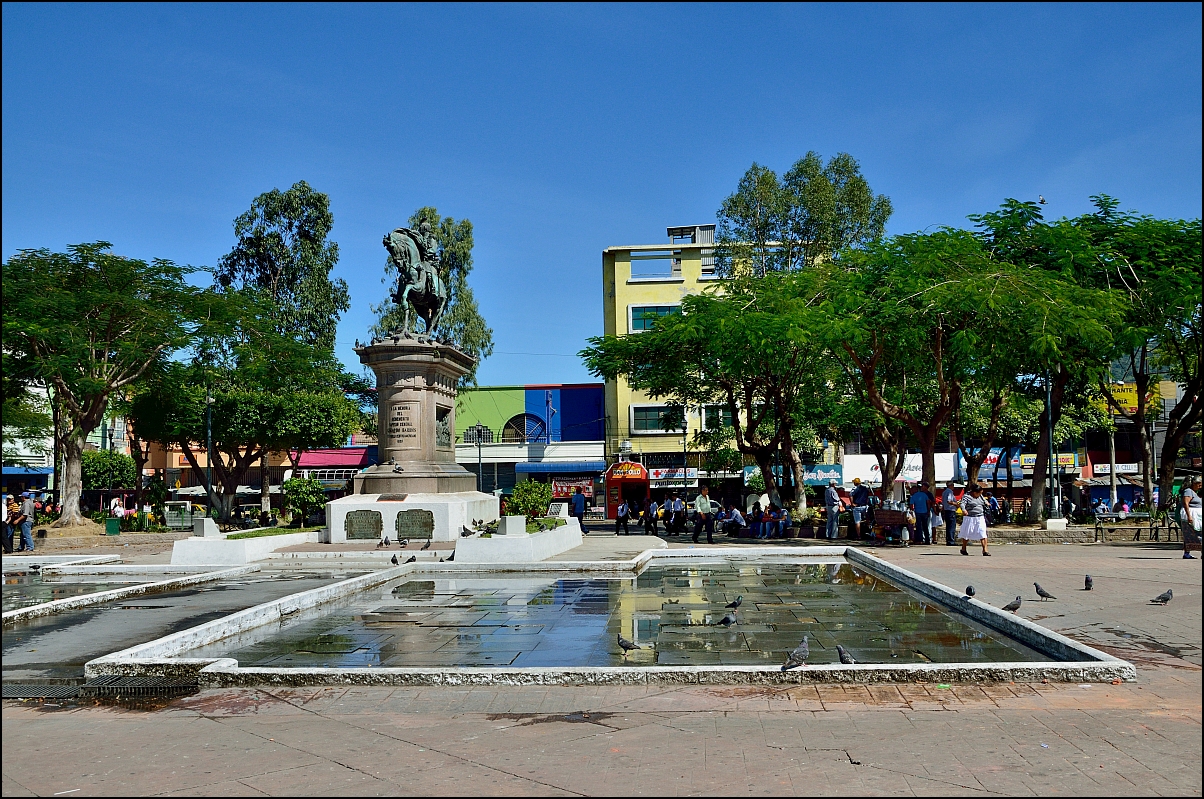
519, 548
222, 552
452, 512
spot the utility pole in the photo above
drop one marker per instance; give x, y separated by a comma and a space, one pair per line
208, 454
1054, 510
1112, 462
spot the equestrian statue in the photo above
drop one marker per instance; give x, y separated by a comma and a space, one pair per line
415, 256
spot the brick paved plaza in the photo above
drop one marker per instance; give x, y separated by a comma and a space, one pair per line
1134, 739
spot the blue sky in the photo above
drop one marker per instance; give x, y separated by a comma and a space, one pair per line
560, 130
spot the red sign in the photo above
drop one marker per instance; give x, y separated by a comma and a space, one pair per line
628, 470
566, 487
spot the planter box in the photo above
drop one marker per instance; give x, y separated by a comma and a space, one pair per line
524, 548
223, 552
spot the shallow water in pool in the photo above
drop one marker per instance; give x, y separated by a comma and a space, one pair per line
671, 610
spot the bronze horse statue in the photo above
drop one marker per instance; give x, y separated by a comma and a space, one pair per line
418, 281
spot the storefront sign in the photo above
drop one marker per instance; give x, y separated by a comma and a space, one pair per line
1065, 459
1126, 398
628, 470
673, 474
813, 475
1121, 468
567, 486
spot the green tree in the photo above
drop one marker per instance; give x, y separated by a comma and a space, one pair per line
814, 211
530, 498
1155, 264
462, 324
282, 255
108, 470
90, 323
302, 495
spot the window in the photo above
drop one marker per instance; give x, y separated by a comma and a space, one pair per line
717, 416
655, 264
643, 316
648, 419
470, 435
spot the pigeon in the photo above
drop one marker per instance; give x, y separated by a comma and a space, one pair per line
394, 560
1041, 199
427, 545
798, 657
845, 657
1162, 599
969, 592
1041, 592
1014, 605
1087, 584
451, 557
405, 542
626, 645
387, 542
726, 621
465, 532
412, 558
440, 560
736, 604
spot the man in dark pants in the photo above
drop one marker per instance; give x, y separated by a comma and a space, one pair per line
621, 514
949, 511
579, 508
921, 503
703, 516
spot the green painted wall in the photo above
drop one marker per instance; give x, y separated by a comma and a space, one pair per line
492, 406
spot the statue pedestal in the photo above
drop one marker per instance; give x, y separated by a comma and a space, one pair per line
416, 395
417, 491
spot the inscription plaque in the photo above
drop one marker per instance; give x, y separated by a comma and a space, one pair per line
363, 524
403, 425
417, 523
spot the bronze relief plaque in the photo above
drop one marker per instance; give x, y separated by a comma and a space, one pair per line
417, 523
363, 524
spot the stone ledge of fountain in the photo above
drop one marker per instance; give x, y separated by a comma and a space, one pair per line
1081, 663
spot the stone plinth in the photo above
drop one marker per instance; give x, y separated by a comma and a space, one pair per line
441, 517
416, 395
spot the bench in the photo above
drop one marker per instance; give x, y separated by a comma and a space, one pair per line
1154, 524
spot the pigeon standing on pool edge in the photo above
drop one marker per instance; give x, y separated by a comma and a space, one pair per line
798, 657
845, 657
1014, 605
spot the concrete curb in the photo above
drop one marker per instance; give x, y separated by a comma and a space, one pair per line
71, 603
55, 561
1077, 662
132, 569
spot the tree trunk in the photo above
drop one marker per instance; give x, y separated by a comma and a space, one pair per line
765, 462
1041, 467
73, 481
265, 496
140, 456
1182, 418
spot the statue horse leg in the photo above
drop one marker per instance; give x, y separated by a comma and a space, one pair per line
405, 305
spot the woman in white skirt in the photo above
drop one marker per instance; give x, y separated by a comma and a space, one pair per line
974, 519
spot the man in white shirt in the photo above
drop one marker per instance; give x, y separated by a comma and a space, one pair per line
621, 514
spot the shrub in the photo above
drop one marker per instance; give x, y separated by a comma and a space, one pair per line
302, 495
106, 470
530, 498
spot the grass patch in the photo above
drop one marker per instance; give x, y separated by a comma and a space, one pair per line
533, 525
269, 531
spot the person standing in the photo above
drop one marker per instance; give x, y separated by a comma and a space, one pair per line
921, 505
650, 511
833, 504
949, 511
974, 522
579, 507
621, 514
1190, 517
5, 527
861, 503
25, 521
679, 515
703, 518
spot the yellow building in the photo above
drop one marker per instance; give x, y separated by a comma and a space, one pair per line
640, 283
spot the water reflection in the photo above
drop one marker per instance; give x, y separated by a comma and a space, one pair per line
24, 589
671, 610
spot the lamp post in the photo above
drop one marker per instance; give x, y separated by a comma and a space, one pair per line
1054, 510
208, 454
478, 431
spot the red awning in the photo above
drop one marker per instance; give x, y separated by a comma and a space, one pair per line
344, 457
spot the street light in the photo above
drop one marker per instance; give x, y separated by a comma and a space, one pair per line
478, 431
1054, 509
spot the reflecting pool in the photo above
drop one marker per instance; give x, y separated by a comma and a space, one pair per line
671, 609
23, 589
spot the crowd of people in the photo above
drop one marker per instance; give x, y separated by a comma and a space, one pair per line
19, 518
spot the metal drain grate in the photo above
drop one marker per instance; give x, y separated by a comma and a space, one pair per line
19, 691
116, 685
